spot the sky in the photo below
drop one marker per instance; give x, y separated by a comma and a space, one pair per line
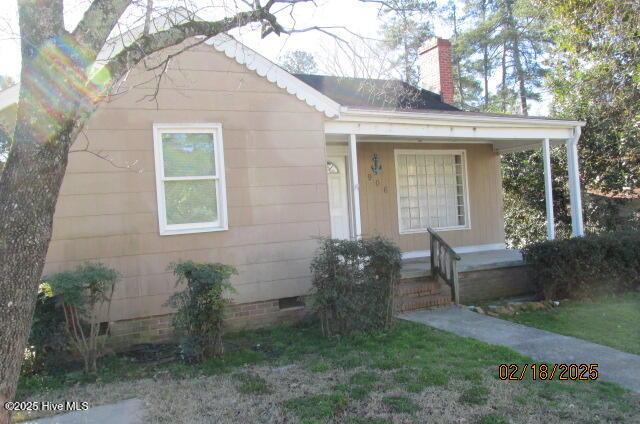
358, 17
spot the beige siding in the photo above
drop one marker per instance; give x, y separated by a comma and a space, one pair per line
378, 197
276, 186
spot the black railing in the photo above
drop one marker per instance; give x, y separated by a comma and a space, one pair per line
444, 264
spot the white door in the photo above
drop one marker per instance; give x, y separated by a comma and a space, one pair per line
338, 199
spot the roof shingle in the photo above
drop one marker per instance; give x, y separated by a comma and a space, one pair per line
375, 93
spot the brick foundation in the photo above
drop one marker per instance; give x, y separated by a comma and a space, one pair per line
491, 284
159, 329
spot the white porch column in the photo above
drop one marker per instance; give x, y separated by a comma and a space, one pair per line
575, 196
355, 187
548, 189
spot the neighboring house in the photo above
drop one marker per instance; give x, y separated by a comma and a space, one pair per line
237, 161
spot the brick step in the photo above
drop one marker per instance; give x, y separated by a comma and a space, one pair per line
417, 287
411, 304
420, 293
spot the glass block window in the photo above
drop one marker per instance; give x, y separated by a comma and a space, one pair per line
190, 178
431, 190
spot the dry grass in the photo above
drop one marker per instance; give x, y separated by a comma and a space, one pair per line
446, 379
219, 399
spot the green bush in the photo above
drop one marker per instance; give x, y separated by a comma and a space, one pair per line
84, 292
48, 344
200, 308
586, 266
354, 283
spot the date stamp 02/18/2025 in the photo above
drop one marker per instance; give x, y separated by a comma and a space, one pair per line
547, 372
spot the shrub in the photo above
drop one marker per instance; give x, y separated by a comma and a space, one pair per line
84, 292
354, 283
200, 308
48, 342
586, 266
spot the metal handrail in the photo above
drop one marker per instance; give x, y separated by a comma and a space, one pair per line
444, 263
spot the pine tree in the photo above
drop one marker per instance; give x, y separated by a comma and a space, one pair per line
508, 36
467, 87
405, 28
524, 41
480, 39
298, 62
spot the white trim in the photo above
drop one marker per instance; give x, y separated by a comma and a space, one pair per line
443, 130
548, 189
9, 96
415, 254
465, 188
355, 186
221, 186
273, 73
575, 195
505, 133
348, 113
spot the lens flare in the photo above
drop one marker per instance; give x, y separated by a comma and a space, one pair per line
60, 80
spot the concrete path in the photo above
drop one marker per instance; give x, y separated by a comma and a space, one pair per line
615, 366
130, 411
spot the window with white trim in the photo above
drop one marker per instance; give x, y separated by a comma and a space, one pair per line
432, 190
190, 178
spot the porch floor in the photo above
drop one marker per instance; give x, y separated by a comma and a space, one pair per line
490, 259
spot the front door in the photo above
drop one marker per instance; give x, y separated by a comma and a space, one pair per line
338, 198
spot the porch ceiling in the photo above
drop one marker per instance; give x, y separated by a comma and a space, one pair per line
500, 145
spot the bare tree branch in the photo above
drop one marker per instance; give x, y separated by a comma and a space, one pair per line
150, 43
104, 156
147, 17
98, 22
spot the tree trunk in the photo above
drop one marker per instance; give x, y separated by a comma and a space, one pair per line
485, 60
522, 90
503, 87
30, 183
457, 57
517, 60
407, 66
28, 192
485, 66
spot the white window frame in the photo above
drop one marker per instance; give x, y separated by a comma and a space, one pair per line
465, 188
221, 187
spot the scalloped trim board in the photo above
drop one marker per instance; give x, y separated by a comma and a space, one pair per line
265, 68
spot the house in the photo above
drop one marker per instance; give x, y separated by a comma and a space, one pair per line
234, 160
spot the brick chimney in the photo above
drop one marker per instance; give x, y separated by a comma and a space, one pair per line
435, 68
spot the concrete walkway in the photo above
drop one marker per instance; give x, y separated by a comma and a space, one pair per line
543, 346
129, 411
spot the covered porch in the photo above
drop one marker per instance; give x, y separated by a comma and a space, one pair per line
401, 173
407, 175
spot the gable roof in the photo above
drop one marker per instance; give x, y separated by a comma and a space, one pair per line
375, 93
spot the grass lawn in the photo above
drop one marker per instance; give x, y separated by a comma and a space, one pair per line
290, 374
611, 321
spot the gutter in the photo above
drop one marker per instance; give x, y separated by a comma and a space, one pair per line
349, 114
